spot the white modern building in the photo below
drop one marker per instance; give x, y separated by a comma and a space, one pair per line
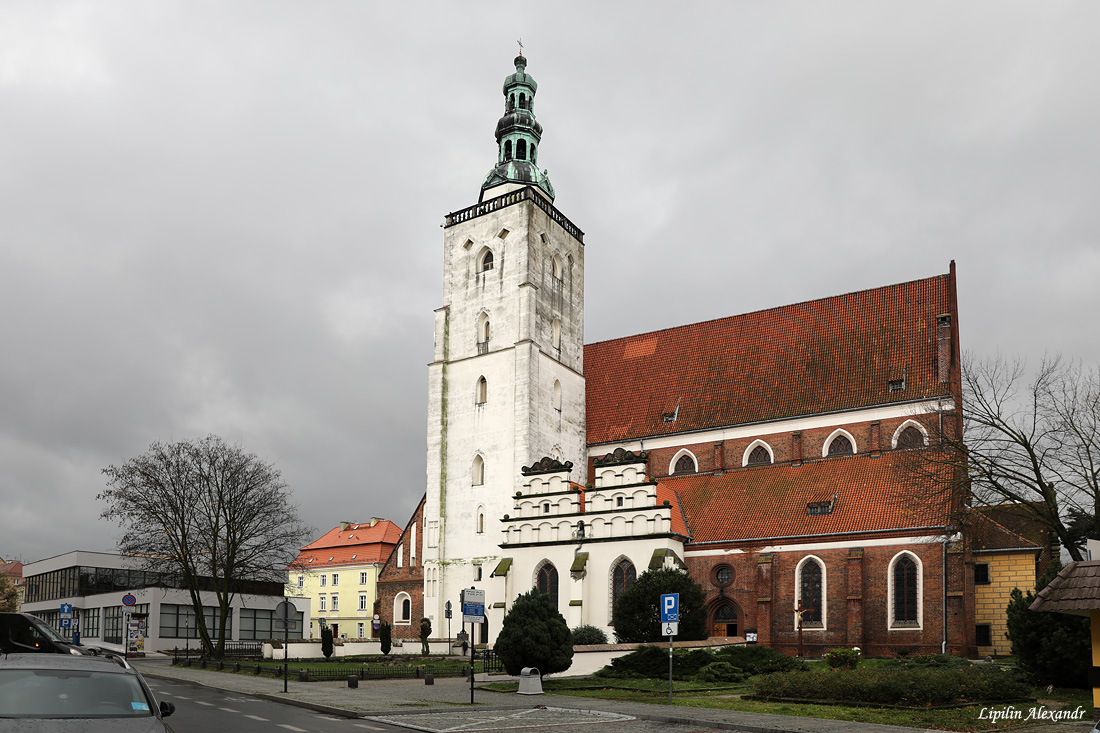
103, 589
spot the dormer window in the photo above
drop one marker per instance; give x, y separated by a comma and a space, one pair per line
896, 385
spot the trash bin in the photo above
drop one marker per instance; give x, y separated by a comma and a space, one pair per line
530, 682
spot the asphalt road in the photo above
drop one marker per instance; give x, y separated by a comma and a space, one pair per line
202, 709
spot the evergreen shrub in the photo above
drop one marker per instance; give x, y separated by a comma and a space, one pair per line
913, 686
842, 658
588, 634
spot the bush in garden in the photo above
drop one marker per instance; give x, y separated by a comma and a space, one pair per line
651, 661
1052, 648
842, 658
721, 672
385, 636
913, 686
534, 634
756, 659
588, 634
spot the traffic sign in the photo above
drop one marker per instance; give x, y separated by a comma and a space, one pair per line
66, 623
284, 619
128, 600
672, 628
473, 606
670, 608
66, 609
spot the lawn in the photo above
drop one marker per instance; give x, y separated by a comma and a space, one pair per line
728, 697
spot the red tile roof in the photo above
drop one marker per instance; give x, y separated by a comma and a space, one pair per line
873, 494
358, 534
351, 545
823, 355
1009, 526
679, 522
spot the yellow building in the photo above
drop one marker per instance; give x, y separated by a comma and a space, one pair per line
339, 573
1010, 550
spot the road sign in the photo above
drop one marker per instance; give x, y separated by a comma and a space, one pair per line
66, 610
670, 608
285, 619
66, 623
128, 600
376, 625
672, 628
377, 617
473, 606
447, 610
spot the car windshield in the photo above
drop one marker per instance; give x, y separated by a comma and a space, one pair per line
54, 693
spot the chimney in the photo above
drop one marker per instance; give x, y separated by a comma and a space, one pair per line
943, 347
344, 525
796, 448
375, 520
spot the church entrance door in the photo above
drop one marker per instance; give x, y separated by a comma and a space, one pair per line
725, 621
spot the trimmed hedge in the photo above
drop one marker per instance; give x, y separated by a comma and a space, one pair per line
736, 663
914, 686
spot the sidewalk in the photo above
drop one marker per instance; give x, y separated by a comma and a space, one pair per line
392, 699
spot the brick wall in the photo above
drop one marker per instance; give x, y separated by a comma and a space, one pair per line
409, 578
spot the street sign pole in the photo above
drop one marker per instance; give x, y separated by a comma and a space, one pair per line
286, 649
670, 622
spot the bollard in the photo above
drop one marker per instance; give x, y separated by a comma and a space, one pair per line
353, 681
257, 670
429, 679
303, 675
236, 666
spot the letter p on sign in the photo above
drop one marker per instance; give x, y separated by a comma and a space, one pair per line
670, 608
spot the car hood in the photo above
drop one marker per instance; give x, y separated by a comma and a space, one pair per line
83, 725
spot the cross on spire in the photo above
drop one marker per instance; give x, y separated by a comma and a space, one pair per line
520, 42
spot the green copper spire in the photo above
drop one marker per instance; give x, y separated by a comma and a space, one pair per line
518, 136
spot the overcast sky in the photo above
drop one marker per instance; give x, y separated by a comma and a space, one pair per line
225, 217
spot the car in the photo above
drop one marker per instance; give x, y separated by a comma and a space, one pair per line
65, 692
22, 632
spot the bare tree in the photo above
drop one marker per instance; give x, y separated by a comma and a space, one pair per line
209, 513
1031, 439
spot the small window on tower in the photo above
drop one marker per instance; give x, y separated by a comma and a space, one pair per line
507, 149
486, 261
521, 149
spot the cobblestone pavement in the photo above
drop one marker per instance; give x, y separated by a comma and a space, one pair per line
445, 706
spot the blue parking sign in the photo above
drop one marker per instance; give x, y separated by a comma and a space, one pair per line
670, 608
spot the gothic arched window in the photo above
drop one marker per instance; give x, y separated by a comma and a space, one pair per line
623, 576
840, 446
477, 471
486, 261
905, 591
482, 395
759, 455
685, 464
547, 582
809, 591
911, 438
557, 395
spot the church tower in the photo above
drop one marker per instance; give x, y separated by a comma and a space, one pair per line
506, 384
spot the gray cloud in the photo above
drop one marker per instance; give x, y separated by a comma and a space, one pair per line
225, 218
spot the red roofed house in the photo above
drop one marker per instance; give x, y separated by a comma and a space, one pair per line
13, 571
339, 572
762, 452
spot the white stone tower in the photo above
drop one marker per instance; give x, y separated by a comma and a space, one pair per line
506, 386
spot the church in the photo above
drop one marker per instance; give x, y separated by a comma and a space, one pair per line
764, 453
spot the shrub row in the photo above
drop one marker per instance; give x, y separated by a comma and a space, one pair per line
728, 664
897, 686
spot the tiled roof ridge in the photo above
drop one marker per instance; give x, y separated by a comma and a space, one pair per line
943, 276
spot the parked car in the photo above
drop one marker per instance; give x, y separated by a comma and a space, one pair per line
65, 692
22, 633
